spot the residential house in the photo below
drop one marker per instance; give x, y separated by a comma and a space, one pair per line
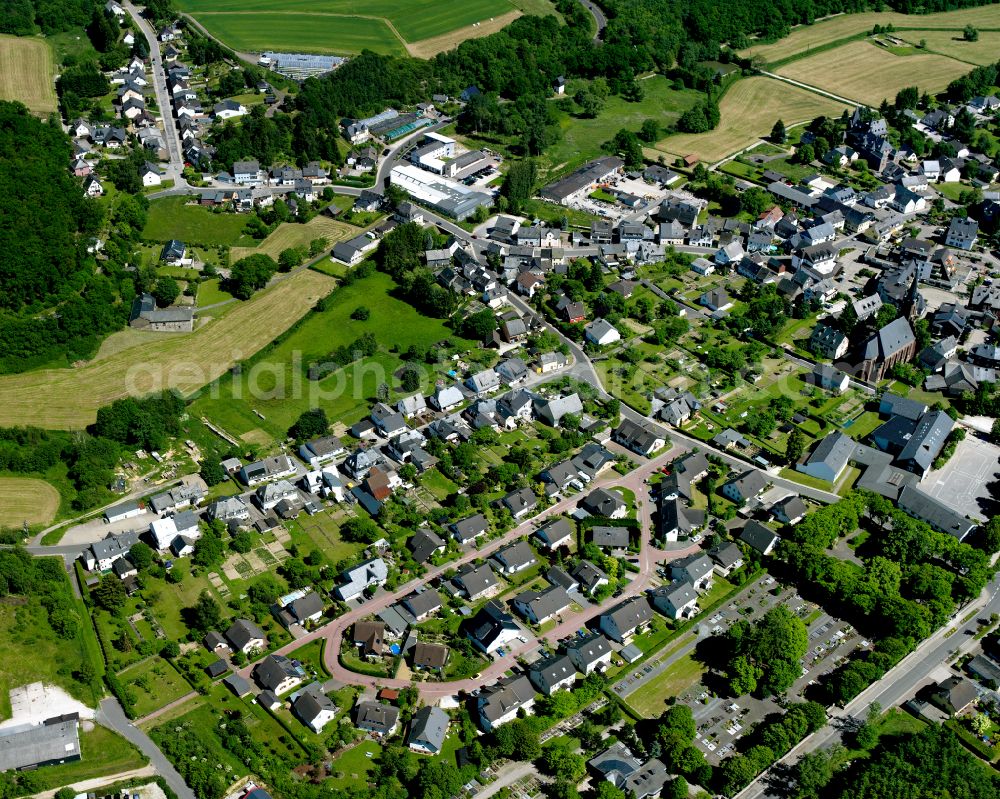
314, 709
520, 502
321, 451
589, 577
467, 531
515, 558
430, 657
626, 619
492, 628
606, 503
428, 730
376, 719
615, 539
355, 580
790, 510
828, 342
639, 438
551, 411
555, 534
500, 703
727, 558
541, 606
369, 637
245, 636
759, 537
677, 600
745, 487
694, 569
424, 544
830, 378
589, 653
716, 300
476, 582
962, 233
553, 673
830, 457
601, 332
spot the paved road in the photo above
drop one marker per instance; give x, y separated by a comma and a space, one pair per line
509, 775
176, 166
110, 714
334, 631
897, 686
600, 21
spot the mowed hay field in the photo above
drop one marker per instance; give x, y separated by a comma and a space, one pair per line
26, 73
340, 26
291, 234
25, 499
806, 37
869, 74
68, 399
950, 43
749, 110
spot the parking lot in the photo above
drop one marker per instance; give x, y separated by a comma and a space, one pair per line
964, 482
722, 721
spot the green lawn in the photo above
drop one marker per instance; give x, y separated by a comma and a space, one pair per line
582, 138
209, 293
311, 656
651, 699
322, 532
277, 387
154, 683
102, 752
171, 218
353, 765
439, 485
806, 479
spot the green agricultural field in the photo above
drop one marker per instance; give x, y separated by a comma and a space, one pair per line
348, 26
209, 293
27, 72
276, 386
173, 218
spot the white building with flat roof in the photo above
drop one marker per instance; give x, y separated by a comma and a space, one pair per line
443, 195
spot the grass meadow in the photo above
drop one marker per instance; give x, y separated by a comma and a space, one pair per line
27, 499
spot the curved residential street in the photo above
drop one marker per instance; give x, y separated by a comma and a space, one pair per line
648, 558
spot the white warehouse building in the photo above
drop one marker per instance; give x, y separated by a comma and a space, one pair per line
446, 196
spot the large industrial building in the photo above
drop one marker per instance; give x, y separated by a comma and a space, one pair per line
583, 181
27, 746
439, 193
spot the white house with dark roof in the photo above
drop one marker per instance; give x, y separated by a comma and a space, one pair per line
500, 703
551, 674
515, 558
678, 600
469, 530
555, 534
428, 730
745, 487
626, 619
589, 653
539, 607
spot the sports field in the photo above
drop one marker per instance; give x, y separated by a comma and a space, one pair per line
950, 43
867, 73
749, 110
25, 499
27, 72
340, 26
68, 399
292, 234
806, 37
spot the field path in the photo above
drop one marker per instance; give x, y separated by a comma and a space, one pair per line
810, 88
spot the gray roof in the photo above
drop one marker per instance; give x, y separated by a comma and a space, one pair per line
242, 632
895, 405
590, 648
938, 515
423, 544
648, 781
556, 530
602, 502
895, 336
551, 670
518, 555
376, 717
506, 695
616, 763
750, 483
274, 670
757, 535
468, 529
309, 605
697, 565
309, 704
25, 746
588, 574
614, 537
425, 602
928, 440
428, 728
835, 451
630, 614
553, 410
677, 594
727, 555
545, 603
477, 580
